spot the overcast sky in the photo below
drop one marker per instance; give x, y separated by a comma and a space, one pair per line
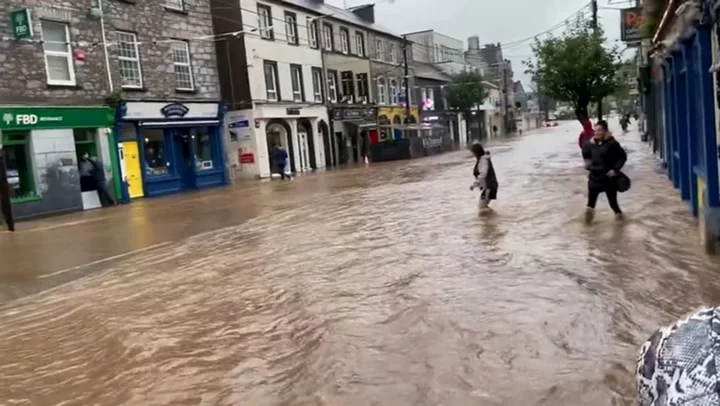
503, 21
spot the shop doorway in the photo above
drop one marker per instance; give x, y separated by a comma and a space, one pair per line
278, 133
323, 128
184, 161
130, 160
305, 128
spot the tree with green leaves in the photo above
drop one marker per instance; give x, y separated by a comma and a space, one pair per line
466, 93
575, 67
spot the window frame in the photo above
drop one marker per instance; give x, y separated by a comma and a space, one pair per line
267, 32
127, 59
431, 97
296, 69
186, 46
70, 60
6, 136
331, 45
393, 92
359, 44
317, 73
392, 52
363, 86
276, 82
167, 4
344, 40
332, 86
379, 49
292, 25
381, 96
312, 28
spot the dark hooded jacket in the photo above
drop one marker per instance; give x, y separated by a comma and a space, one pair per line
600, 158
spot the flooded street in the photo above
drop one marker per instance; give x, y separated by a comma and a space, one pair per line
369, 286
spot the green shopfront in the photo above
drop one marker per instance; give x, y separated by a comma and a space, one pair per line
42, 148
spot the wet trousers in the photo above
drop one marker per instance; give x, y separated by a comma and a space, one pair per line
103, 194
484, 199
611, 193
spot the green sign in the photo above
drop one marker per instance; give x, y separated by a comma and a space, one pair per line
21, 118
21, 24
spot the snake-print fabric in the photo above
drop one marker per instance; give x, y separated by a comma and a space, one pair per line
678, 365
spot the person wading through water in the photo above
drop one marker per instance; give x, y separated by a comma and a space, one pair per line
280, 157
485, 179
604, 158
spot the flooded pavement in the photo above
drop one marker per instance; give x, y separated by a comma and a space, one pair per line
371, 286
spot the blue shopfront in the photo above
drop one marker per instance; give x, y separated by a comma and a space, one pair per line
170, 147
690, 134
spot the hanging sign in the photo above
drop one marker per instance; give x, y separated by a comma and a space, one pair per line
630, 21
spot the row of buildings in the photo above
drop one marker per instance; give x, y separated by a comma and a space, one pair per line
175, 95
679, 84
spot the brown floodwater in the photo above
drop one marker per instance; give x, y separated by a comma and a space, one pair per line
369, 286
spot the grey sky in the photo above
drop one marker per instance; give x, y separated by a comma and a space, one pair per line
503, 21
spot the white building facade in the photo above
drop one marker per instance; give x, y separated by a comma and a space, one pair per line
271, 75
445, 52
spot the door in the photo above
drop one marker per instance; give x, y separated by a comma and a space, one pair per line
184, 162
131, 165
304, 152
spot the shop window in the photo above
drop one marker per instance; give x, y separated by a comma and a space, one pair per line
203, 149
155, 159
18, 160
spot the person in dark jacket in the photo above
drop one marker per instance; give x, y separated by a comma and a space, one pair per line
604, 158
280, 158
485, 178
97, 173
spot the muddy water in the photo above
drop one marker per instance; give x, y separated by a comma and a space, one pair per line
376, 286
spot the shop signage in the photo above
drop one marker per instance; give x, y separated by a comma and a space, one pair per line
55, 117
357, 113
432, 142
21, 24
630, 21
240, 128
292, 111
247, 158
160, 111
174, 110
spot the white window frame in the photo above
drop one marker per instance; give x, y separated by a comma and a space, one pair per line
175, 4
317, 86
133, 60
344, 41
332, 87
359, 44
381, 91
265, 23
67, 55
431, 97
393, 91
296, 73
327, 37
379, 49
273, 69
186, 46
423, 97
392, 52
312, 32
291, 29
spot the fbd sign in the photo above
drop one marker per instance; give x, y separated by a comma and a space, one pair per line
21, 24
20, 119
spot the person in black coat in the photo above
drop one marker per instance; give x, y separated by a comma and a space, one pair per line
485, 178
604, 158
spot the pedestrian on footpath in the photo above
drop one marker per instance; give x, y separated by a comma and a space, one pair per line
678, 365
280, 158
604, 158
485, 178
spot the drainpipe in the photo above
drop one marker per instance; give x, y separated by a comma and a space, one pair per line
104, 44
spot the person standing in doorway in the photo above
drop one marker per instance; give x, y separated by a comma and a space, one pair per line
280, 158
97, 174
604, 158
